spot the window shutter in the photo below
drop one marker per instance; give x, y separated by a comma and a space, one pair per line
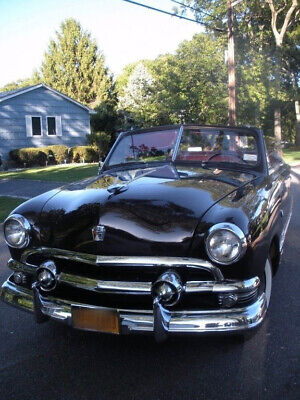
58, 126
28, 125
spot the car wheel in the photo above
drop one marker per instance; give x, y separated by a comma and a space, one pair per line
265, 287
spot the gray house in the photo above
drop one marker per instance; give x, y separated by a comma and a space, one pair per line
36, 116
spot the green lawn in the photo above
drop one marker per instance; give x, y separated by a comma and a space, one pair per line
292, 156
69, 173
7, 204
75, 172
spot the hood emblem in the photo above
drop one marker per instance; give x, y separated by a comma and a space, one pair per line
98, 233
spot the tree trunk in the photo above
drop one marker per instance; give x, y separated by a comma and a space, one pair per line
277, 110
231, 69
297, 109
279, 36
277, 127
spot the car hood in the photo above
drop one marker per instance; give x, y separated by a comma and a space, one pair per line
150, 211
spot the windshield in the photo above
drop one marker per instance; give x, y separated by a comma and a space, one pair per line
218, 145
197, 145
145, 147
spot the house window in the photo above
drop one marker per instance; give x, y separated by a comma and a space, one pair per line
51, 126
36, 126
35, 123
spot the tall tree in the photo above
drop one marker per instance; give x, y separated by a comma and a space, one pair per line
279, 28
191, 85
74, 65
261, 23
136, 98
188, 86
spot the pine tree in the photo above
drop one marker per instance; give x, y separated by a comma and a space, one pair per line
73, 65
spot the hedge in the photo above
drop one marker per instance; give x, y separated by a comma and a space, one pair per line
29, 156
56, 154
84, 154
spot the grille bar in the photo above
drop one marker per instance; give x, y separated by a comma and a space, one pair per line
127, 261
245, 288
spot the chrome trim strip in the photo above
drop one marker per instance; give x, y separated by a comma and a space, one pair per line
206, 321
106, 286
127, 287
19, 266
177, 144
222, 287
166, 262
107, 158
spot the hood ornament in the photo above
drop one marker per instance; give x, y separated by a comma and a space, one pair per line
98, 233
115, 189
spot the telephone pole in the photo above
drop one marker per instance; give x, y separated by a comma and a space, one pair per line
231, 68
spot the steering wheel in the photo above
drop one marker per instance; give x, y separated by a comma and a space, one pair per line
232, 155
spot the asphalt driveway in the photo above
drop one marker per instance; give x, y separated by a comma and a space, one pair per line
26, 188
51, 361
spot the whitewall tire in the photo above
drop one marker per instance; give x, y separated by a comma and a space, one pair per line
268, 281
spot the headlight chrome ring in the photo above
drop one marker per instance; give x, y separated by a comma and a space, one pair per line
17, 230
219, 247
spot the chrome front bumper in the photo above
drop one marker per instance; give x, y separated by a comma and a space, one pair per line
208, 321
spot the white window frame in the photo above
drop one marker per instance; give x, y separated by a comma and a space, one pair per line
58, 125
29, 130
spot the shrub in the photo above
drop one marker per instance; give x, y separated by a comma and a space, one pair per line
29, 156
101, 140
84, 153
58, 152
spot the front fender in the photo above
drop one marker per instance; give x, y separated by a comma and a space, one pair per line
250, 212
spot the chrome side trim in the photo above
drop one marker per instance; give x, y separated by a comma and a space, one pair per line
206, 321
136, 261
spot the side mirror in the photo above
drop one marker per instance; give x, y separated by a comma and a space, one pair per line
269, 183
100, 166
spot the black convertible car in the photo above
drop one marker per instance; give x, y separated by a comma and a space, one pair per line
181, 232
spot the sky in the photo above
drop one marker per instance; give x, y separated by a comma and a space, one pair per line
124, 32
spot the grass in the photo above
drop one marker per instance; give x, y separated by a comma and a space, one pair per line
75, 172
56, 173
7, 204
291, 156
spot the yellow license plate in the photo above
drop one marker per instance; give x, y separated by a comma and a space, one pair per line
97, 320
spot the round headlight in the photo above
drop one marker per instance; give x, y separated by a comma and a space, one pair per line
225, 243
17, 231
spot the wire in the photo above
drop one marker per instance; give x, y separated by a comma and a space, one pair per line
173, 15
196, 10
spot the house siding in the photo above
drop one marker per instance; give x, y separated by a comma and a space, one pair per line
41, 102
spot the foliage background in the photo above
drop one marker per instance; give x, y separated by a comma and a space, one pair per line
187, 86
